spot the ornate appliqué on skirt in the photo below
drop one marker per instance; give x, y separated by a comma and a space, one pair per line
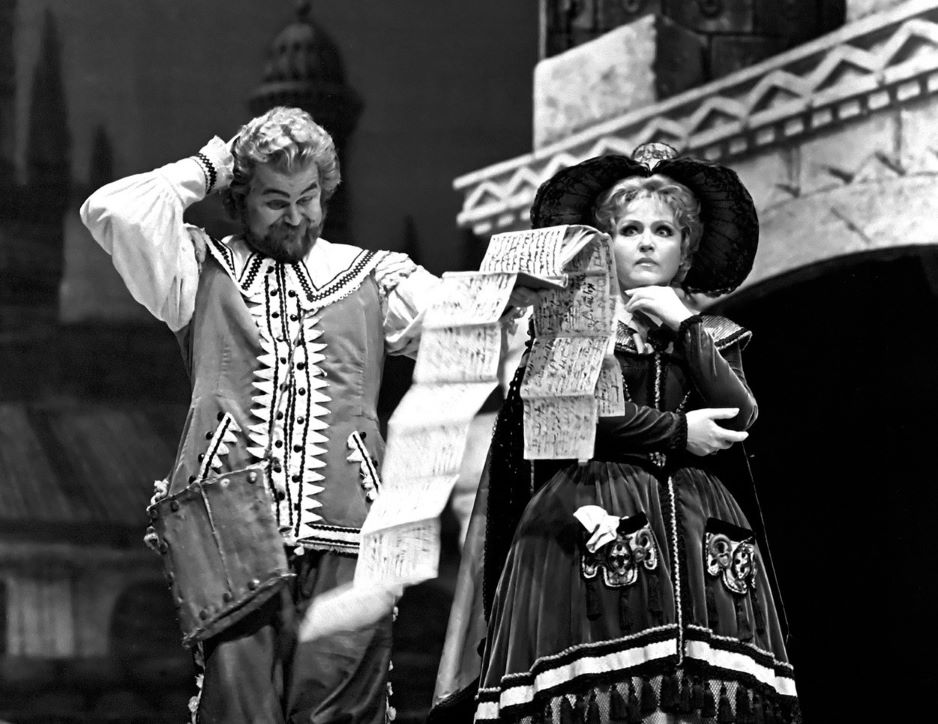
730, 553
634, 547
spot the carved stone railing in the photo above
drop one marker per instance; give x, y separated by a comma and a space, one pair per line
884, 60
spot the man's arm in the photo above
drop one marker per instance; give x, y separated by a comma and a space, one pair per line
138, 220
407, 290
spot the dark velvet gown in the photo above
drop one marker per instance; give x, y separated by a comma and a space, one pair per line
674, 620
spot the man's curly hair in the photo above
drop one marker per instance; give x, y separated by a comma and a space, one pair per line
287, 139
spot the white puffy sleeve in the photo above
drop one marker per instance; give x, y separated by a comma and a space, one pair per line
407, 290
138, 220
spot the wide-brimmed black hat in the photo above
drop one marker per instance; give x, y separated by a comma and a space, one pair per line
730, 224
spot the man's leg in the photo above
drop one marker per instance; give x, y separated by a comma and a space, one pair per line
341, 678
243, 681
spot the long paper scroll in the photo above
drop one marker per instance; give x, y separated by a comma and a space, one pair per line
457, 368
569, 380
572, 376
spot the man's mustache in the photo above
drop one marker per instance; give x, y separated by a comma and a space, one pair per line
285, 243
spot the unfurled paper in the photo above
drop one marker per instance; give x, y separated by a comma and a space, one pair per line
586, 307
569, 382
466, 298
610, 389
459, 354
539, 252
557, 428
456, 370
563, 367
402, 554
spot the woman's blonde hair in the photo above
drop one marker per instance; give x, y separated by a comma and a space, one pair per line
613, 202
287, 139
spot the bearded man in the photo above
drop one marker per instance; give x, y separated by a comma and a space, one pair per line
284, 336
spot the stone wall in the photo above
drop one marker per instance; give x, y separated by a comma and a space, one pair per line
623, 69
613, 56
836, 139
735, 33
855, 188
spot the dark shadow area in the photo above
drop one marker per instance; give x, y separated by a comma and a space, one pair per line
91, 416
843, 365
125, 385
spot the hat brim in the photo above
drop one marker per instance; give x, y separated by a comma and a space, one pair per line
730, 224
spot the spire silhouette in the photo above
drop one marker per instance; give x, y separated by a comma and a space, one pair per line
304, 68
101, 169
7, 93
47, 150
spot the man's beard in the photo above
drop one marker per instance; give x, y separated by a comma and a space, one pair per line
284, 243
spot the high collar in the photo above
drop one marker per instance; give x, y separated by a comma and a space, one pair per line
327, 272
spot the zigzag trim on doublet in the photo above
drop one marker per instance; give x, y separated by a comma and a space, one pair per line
367, 470
289, 397
226, 434
333, 538
550, 673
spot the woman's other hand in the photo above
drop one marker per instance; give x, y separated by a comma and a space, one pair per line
660, 303
705, 436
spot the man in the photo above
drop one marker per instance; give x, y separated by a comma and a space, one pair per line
285, 336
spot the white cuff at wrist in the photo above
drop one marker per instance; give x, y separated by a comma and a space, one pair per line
215, 156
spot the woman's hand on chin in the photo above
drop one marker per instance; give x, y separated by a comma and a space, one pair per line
658, 302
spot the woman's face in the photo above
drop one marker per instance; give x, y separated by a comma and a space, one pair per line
647, 244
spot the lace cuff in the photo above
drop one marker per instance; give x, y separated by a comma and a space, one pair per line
216, 162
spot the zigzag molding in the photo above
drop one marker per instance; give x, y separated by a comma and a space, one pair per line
881, 61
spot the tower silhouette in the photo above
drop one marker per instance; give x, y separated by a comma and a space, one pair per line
305, 69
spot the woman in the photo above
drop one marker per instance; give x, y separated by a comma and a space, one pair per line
631, 588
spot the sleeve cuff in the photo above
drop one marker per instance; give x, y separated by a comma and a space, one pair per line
393, 268
216, 163
688, 323
678, 441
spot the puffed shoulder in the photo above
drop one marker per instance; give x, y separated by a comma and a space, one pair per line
724, 332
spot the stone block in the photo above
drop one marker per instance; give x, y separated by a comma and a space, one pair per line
919, 136
769, 176
630, 67
613, 13
864, 146
567, 25
797, 21
729, 53
857, 9
858, 218
712, 16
